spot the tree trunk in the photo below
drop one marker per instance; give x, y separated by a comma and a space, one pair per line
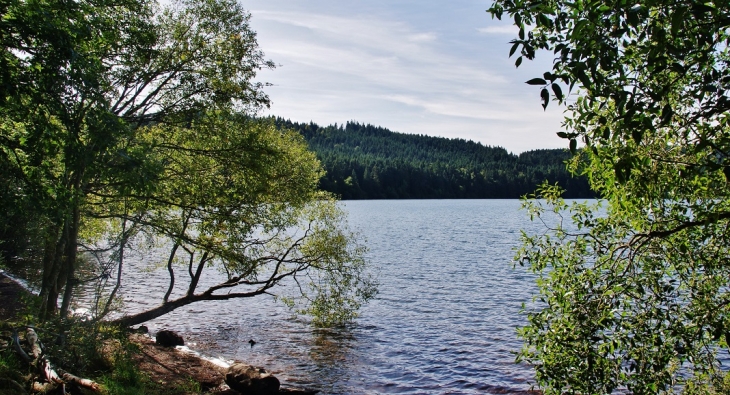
52, 278
49, 256
120, 265
151, 314
198, 272
167, 307
59, 273
70, 261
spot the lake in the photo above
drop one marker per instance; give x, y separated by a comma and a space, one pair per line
443, 322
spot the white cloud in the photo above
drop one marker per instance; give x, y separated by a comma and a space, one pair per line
389, 54
501, 29
423, 37
408, 78
454, 108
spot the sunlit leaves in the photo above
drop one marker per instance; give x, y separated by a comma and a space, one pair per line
139, 112
651, 107
245, 193
621, 307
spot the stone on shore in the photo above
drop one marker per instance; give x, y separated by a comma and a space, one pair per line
250, 380
169, 339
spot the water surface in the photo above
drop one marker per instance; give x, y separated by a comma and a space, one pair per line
443, 323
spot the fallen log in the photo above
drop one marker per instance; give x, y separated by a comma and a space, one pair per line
44, 366
79, 381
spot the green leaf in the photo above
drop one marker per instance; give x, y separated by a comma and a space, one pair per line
545, 96
514, 48
582, 77
677, 20
536, 81
544, 20
573, 146
622, 169
558, 92
667, 114
637, 135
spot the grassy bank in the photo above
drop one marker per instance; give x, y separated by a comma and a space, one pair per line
122, 363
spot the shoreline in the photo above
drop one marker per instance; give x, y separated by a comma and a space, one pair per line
168, 366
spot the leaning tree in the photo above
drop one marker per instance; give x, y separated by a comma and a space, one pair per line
236, 196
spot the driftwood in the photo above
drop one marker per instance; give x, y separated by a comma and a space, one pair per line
51, 375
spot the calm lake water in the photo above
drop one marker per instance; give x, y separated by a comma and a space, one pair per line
443, 323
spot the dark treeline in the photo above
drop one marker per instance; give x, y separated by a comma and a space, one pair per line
369, 162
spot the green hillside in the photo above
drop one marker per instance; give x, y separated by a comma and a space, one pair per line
369, 162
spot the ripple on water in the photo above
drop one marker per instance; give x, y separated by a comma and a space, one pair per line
444, 321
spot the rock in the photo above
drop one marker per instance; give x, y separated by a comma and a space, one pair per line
142, 329
169, 339
250, 380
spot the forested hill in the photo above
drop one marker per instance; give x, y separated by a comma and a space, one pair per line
369, 162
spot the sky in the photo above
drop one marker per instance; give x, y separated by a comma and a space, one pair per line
432, 67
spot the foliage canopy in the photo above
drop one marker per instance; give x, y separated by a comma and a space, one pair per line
240, 195
137, 114
635, 296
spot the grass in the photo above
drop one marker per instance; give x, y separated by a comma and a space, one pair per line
85, 354
12, 373
99, 352
126, 379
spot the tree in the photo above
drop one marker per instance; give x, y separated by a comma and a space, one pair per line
634, 295
81, 78
144, 127
241, 196
55, 119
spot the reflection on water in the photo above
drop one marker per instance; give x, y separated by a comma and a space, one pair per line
443, 322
